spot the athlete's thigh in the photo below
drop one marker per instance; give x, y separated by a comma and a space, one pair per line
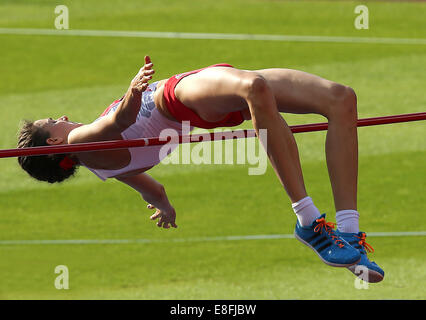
213, 92
299, 92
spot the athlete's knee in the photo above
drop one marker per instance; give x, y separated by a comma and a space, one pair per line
255, 86
259, 95
343, 103
349, 104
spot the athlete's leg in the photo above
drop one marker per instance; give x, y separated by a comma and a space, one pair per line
301, 92
214, 92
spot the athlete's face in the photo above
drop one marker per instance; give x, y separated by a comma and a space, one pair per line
58, 129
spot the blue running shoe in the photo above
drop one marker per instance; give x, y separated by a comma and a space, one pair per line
374, 272
321, 238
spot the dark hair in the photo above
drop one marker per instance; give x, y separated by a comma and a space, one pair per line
44, 167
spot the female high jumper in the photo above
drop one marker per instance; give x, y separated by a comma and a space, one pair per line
223, 96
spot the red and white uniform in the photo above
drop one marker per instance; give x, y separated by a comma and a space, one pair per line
150, 123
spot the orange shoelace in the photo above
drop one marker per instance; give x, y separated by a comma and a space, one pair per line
362, 242
328, 226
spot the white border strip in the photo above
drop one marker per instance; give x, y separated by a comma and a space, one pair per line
186, 240
211, 36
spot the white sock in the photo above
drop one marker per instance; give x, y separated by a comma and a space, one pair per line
347, 221
305, 211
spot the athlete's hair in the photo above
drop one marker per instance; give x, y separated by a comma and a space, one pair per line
48, 168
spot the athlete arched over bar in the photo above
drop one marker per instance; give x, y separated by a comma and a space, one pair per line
223, 96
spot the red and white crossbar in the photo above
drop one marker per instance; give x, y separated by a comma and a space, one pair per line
212, 136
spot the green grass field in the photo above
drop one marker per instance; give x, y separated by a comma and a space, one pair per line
48, 76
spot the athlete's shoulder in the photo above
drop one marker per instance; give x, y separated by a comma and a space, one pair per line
104, 129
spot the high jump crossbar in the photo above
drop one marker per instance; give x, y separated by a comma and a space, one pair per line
212, 136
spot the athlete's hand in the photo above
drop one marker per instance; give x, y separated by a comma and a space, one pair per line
140, 81
165, 217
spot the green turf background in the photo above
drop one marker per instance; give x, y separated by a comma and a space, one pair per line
48, 76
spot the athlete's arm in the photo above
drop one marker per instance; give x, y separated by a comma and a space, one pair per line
127, 111
154, 193
110, 127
